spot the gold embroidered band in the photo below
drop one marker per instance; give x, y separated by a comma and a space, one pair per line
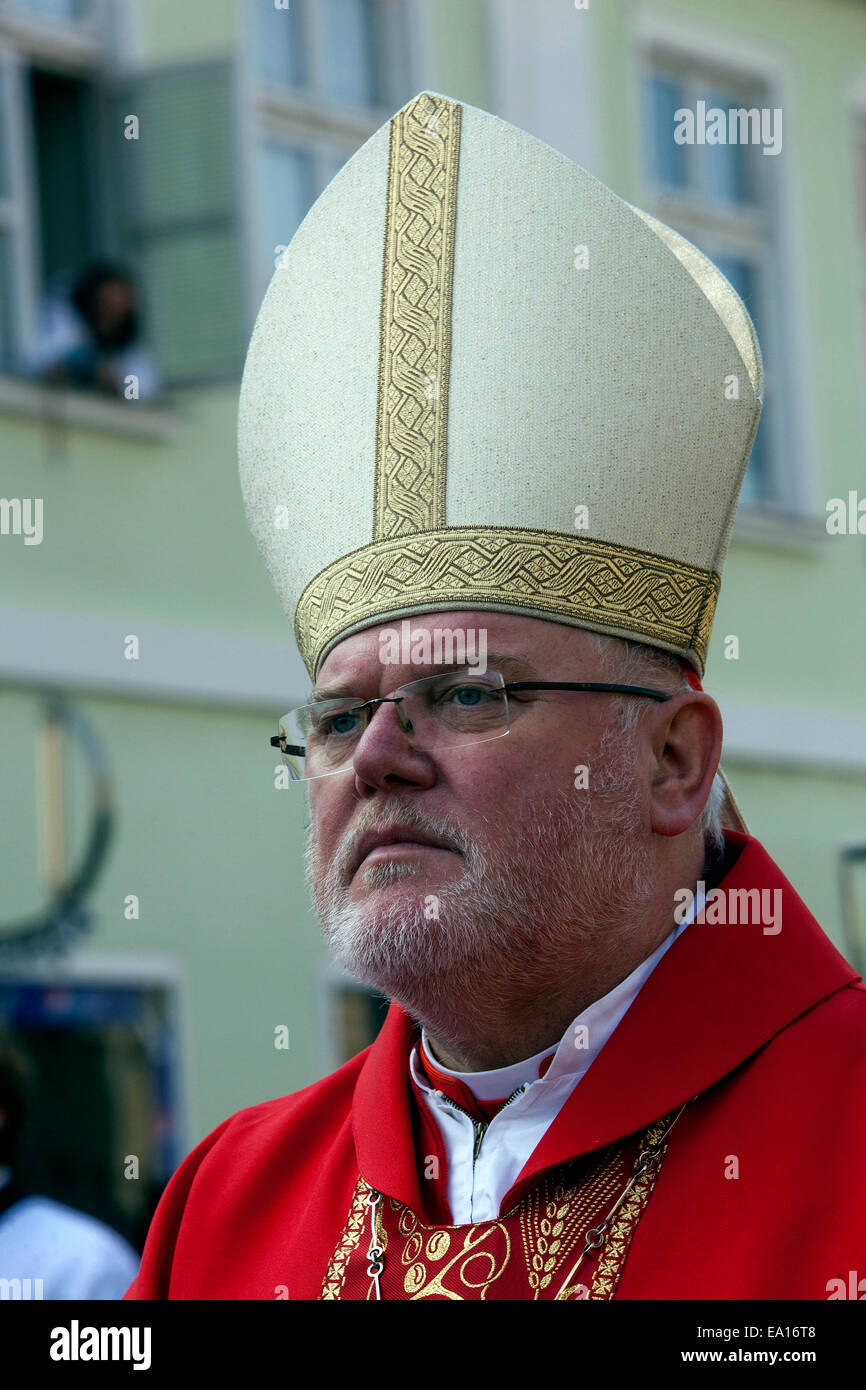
527, 1253
415, 328
612, 1257
570, 578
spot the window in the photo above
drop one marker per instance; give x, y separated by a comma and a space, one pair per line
287, 181
120, 250
177, 213
169, 201
8, 220
352, 48
852, 882
88, 1045
71, 11
327, 74
7, 332
63, 134
281, 49
348, 51
350, 1013
721, 197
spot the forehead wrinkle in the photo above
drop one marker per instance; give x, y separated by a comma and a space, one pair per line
509, 664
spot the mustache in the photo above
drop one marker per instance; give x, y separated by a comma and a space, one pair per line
444, 828
612, 786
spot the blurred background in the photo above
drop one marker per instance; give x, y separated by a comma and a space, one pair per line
160, 965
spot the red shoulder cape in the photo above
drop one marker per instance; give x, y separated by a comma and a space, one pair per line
767, 1031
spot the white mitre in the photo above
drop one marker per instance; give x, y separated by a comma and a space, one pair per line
481, 380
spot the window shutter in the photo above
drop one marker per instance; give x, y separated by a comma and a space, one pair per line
177, 215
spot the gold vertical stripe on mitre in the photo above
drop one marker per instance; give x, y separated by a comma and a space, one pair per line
415, 331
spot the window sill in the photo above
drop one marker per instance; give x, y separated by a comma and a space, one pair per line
768, 527
76, 41
59, 406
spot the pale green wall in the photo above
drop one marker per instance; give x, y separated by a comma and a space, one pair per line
802, 818
137, 528
172, 32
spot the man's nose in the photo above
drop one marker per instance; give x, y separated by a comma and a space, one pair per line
386, 753
401, 708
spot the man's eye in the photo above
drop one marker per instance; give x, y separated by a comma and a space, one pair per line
344, 723
467, 695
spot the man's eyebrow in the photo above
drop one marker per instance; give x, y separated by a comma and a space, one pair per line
508, 664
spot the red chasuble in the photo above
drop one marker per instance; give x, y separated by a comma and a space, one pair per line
753, 1042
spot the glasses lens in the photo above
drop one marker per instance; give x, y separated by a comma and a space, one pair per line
455, 709
450, 710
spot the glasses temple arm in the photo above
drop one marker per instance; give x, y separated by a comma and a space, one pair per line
597, 686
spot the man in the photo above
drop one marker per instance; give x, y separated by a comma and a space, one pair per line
90, 334
493, 427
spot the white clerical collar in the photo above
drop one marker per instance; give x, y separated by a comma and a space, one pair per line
582, 1040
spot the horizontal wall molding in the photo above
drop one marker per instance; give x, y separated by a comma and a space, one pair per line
177, 663
762, 733
184, 664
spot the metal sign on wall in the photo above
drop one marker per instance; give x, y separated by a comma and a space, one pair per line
63, 918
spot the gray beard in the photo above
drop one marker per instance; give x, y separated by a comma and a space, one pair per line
541, 907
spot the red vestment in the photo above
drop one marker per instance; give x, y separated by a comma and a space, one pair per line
759, 1192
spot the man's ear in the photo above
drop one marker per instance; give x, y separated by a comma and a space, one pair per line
685, 745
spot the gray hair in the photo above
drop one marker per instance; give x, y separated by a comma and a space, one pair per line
634, 663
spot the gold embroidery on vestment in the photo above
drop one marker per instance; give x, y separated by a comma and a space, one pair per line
336, 1275
553, 1218
616, 1246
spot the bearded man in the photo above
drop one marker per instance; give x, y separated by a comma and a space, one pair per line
618, 1041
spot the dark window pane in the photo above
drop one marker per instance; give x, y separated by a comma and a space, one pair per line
52, 9
89, 1051
64, 140
359, 1015
280, 44
286, 181
721, 170
743, 276
4, 152
663, 97
6, 325
351, 52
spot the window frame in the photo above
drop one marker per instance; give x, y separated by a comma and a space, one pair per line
70, 50
308, 119
857, 113
791, 457
332, 984
18, 216
80, 41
